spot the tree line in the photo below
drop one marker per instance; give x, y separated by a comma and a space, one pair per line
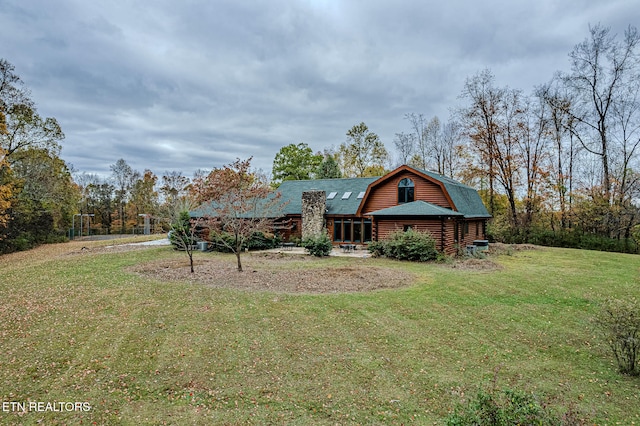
557, 166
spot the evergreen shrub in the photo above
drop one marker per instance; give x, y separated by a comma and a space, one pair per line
318, 246
406, 245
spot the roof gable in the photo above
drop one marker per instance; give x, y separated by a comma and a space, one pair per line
465, 198
461, 198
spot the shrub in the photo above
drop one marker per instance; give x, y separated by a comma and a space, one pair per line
263, 241
318, 246
569, 238
221, 242
406, 245
505, 408
376, 248
619, 322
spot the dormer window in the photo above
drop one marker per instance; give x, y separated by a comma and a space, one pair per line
405, 191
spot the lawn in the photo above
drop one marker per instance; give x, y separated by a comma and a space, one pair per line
81, 325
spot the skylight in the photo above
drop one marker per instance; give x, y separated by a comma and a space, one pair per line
361, 195
346, 195
332, 195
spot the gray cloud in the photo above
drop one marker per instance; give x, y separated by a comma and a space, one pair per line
192, 85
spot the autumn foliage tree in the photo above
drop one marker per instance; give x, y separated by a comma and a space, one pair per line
6, 190
37, 194
236, 203
363, 154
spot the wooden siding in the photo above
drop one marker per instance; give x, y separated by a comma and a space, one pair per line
293, 231
475, 232
438, 228
386, 194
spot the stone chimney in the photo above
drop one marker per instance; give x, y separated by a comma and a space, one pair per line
313, 207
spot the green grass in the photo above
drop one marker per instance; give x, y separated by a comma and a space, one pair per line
140, 351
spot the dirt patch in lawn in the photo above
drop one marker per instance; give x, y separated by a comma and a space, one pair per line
280, 273
501, 248
485, 262
473, 264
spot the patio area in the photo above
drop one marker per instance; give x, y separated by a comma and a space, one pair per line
359, 251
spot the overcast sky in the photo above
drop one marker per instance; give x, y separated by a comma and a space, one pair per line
187, 85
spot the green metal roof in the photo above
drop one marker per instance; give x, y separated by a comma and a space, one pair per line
292, 190
465, 199
415, 208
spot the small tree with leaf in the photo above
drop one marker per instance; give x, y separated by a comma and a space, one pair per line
184, 231
235, 204
183, 235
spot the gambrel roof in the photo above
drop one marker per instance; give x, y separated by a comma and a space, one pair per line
465, 198
347, 196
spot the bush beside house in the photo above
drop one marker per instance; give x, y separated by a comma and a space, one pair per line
406, 245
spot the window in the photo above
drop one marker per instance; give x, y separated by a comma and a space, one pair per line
332, 195
346, 195
337, 230
357, 231
361, 195
346, 236
348, 230
367, 230
406, 228
405, 191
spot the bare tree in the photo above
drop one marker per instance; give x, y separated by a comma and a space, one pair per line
433, 136
602, 70
534, 153
418, 124
175, 187
405, 145
559, 128
480, 123
451, 148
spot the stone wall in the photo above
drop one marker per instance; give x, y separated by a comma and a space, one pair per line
313, 208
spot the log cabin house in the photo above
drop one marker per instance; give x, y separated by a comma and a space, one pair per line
360, 210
